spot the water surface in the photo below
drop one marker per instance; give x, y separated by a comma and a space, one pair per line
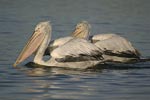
128, 18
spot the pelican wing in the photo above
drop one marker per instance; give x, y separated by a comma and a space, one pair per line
56, 43
117, 46
77, 50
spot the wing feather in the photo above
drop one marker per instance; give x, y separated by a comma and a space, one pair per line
77, 50
118, 46
56, 43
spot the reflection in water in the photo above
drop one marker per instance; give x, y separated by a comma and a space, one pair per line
57, 82
38, 72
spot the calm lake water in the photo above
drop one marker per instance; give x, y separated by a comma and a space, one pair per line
129, 18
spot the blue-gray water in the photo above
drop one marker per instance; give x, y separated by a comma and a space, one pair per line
129, 18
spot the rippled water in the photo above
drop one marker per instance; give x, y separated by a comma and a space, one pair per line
129, 18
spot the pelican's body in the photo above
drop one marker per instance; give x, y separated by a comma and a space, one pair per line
73, 55
76, 51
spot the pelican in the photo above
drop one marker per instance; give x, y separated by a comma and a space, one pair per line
77, 52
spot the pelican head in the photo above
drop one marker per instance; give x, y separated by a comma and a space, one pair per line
82, 30
42, 30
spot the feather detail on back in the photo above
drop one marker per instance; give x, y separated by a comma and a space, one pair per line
101, 37
117, 46
77, 50
56, 43
60, 41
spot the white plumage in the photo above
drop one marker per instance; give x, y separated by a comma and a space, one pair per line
101, 37
116, 44
60, 41
76, 48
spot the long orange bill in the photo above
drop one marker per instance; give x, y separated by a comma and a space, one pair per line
31, 46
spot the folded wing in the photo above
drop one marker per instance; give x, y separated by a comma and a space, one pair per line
116, 45
77, 50
56, 43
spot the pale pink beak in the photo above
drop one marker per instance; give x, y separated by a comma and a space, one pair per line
76, 32
31, 46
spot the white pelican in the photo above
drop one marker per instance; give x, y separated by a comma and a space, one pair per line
78, 52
